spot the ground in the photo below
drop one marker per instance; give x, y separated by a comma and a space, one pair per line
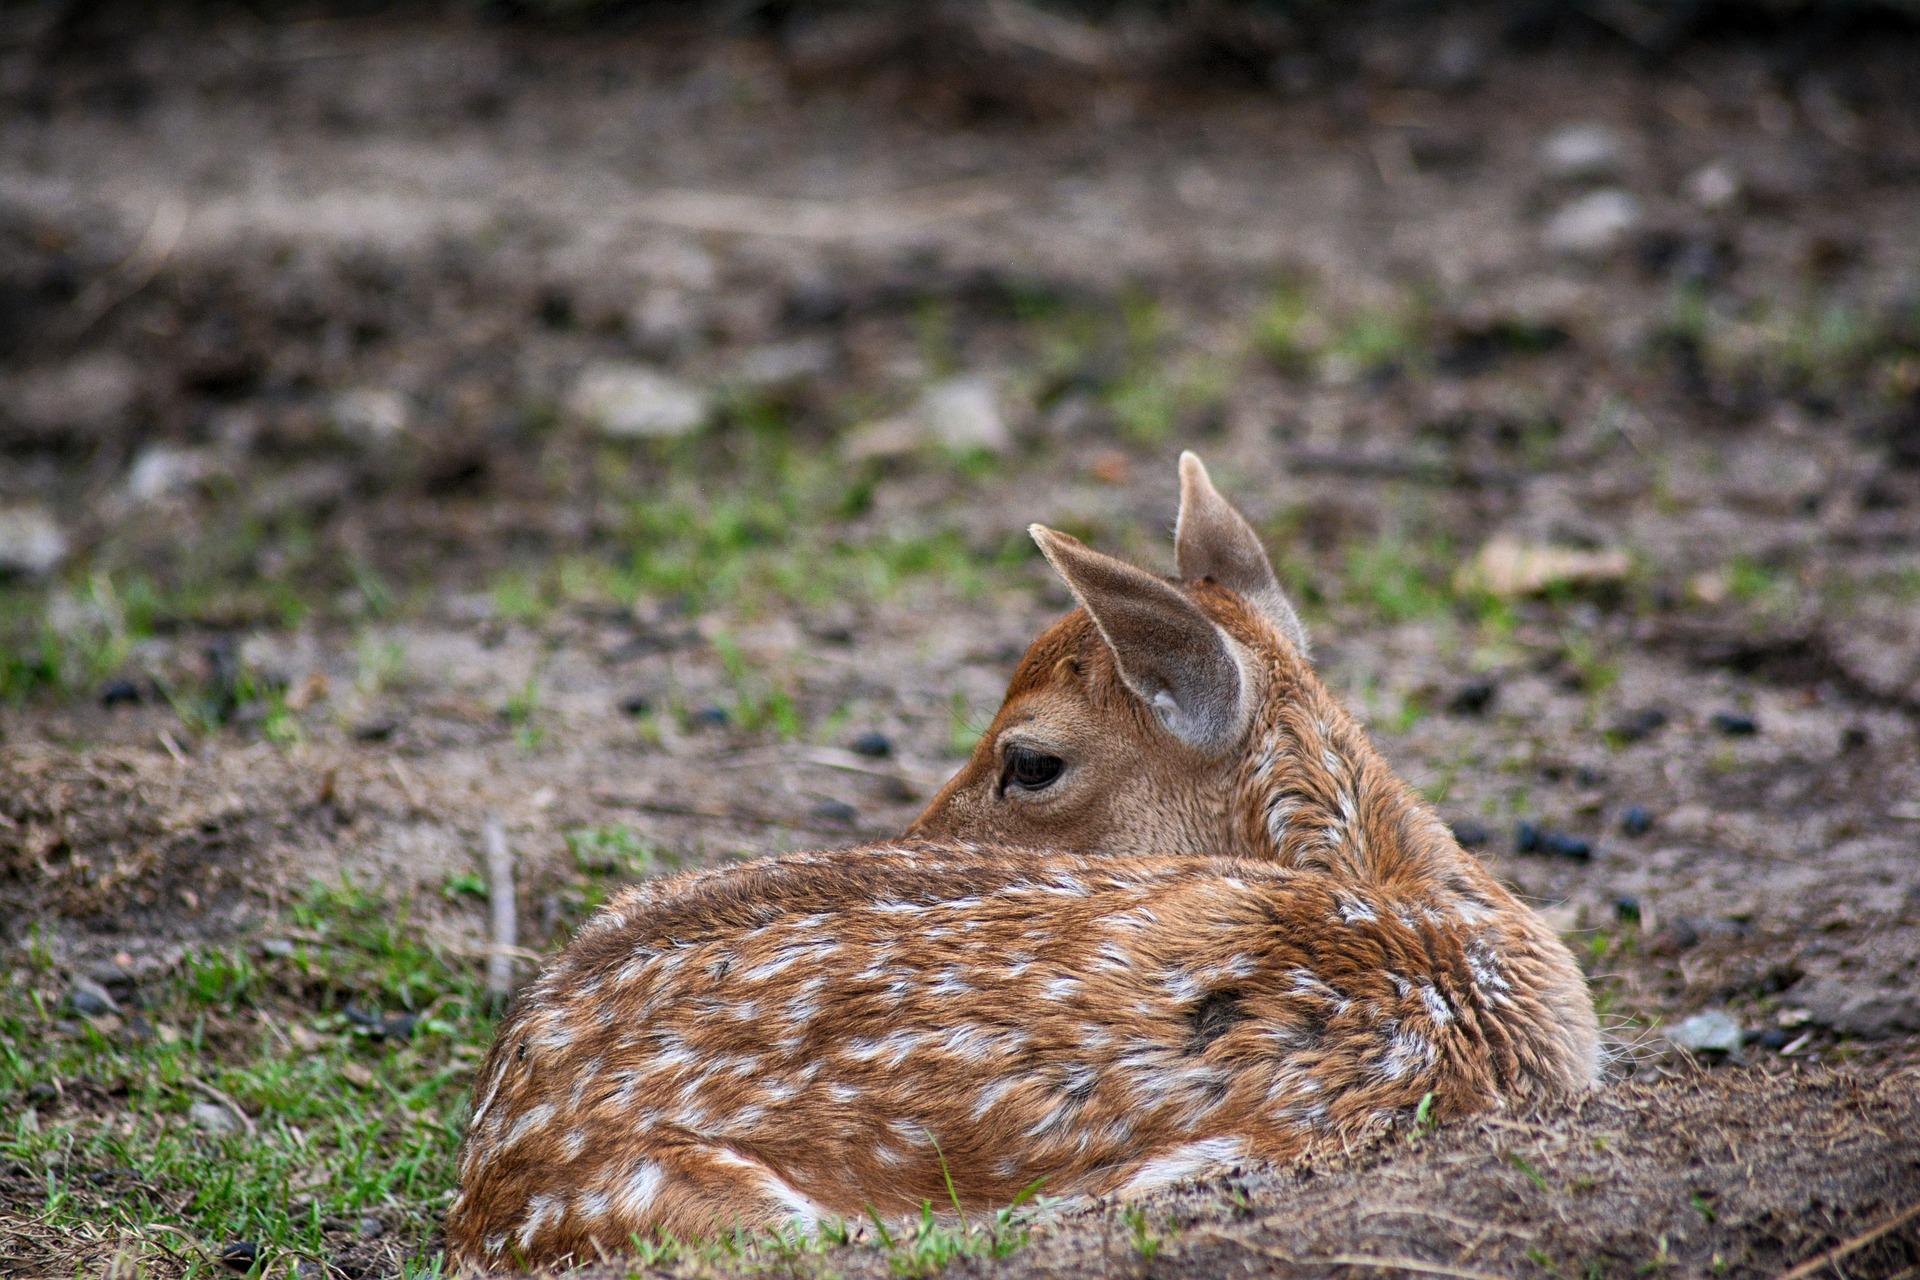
628, 437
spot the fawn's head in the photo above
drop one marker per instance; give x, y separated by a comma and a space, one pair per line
1127, 725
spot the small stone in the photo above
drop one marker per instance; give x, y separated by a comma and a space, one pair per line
1626, 909
785, 364
1860, 1005
164, 471
1712, 1032
119, 693
838, 812
1471, 835
1582, 152
1636, 821
1854, 737
279, 948
710, 718
1774, 1038
636, 704
635, 402
370, 1226
1735, 725
239, 1255
1473, 698
373, 415
963, 414
31, 543
1593, 225
377, 729
1713, 186
874, 745
89, 999
1636, 725
213, 1118
1531, 838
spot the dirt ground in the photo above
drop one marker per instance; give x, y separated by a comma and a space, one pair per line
341, 517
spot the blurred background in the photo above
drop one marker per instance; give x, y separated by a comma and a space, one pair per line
620, 421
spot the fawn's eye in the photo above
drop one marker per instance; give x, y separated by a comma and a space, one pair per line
1030, 770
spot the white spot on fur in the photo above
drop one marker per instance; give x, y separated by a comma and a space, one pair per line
1184, 1162
636, 1192
532, 1118
539, 1210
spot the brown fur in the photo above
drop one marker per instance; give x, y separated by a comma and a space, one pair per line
1222, 959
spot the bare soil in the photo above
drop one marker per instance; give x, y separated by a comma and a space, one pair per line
349, 270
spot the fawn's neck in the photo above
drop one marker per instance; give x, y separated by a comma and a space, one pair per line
1316, 794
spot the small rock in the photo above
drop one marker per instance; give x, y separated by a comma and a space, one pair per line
710, 718
634, 402
119, 693
381, 1026
1774, 1038
1854, 737
963, 414
163, 471
1636, 725
1626, 909
279, 948
1593, 225
377, 729
1473, 698
875, 745
838, 812
1530, 838
213, 1118
89, 999
1735, 725
785, 364
1508, 567
1711, 1032
373, 415
239, 1255
1456, 64
1582, 152
1636, 821
31, 543
1471, 835
1713, 186
370, 1226
636, 704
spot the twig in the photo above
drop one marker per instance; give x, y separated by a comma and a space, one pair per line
502, 925
246, 1121
1884, 1227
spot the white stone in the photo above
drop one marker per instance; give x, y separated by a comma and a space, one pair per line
31, 543
161, 471
963, 414
1710, 1032
213, 1118
372, 414
634, 401
1593, 225
1713, 187
1582, 151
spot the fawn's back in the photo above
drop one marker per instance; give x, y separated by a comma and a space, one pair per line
1263, 942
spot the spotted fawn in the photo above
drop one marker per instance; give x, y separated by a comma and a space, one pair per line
1175, 914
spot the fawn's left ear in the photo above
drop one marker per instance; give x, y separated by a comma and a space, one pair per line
1212, 540
1170, 653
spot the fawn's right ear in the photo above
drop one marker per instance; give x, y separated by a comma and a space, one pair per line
1168, 650
1213, 540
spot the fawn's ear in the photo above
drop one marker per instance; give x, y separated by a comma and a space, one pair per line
1169, 652
1212, 540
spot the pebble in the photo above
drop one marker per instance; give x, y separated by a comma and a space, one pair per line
1626, 909
163, 471
1473, 698
1711, 1032
89, 999
1471, 835
636, 704
1636, 725
1592, 225
838, 812
1582, 151
213, 1118
1636, 821
372, 415
710, 718
875, 745
381, 1026
240, 1255
1775, 1038
635, 402
378, 729
1735, 725
1860, 1005
1530, 838
119, 693
963, 414
31, 543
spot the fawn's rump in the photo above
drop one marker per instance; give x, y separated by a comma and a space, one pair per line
805, 1042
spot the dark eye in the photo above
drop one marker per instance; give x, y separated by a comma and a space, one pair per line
1030, 770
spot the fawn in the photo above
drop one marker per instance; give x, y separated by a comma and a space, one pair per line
1175, 914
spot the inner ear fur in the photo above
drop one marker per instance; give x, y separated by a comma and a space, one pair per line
1169, 652
1213, 540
